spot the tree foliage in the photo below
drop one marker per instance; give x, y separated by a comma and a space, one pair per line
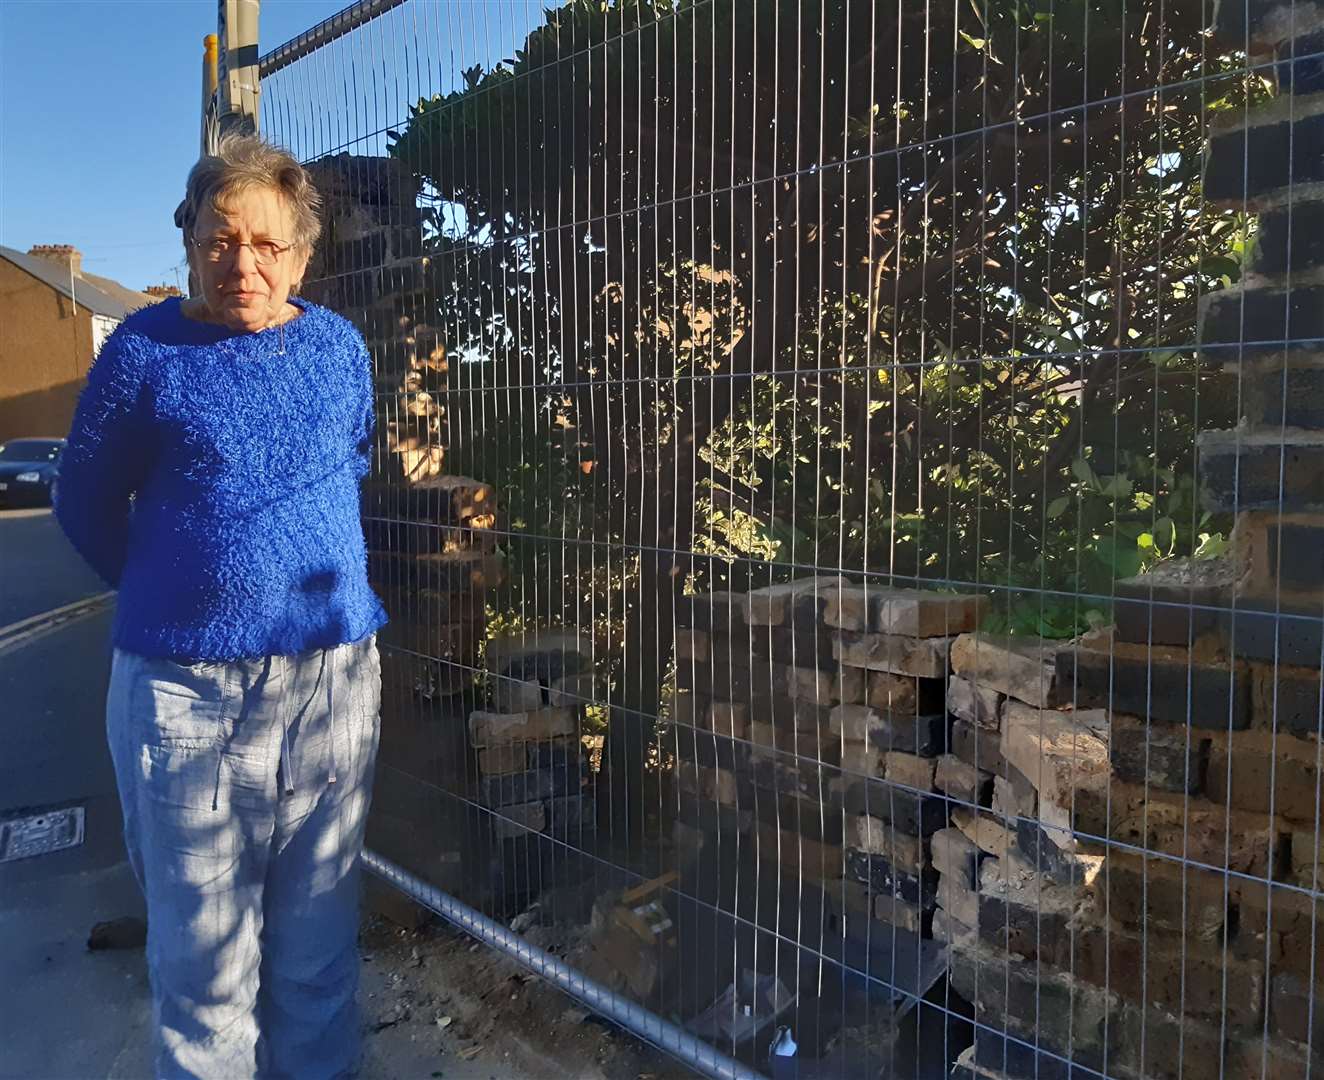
741, 289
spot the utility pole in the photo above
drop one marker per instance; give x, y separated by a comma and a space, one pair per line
238, 86
209, 78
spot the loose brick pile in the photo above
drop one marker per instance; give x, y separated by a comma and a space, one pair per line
431, 557
528, 740
1014, 876
811, 715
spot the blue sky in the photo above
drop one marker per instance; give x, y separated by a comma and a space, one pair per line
99, 108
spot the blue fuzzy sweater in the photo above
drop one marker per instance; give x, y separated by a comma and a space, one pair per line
214, 479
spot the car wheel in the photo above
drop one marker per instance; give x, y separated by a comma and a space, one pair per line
53, 491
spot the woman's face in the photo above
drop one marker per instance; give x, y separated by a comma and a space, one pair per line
228, 249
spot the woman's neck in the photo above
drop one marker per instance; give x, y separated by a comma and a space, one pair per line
196, 309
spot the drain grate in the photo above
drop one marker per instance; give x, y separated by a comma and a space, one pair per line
41, 832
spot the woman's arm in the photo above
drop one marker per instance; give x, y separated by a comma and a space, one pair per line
104, 461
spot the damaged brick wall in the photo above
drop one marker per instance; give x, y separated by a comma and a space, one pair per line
431, 546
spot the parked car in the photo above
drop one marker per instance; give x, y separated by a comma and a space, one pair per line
29, 471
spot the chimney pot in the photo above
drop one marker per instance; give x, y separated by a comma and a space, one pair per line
65, 254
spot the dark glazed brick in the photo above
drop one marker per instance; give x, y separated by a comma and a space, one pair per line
924, 736
1266, 404
915, 815
1158, 688
1164, 614
1158, 755
570, 815
710, 750
1257, 634
1025, 930
811, 819
790, 714
1235, 316
719, 612
524, 787
793, 647
775, 771
1255, 161
807, 612
1299, 65
884, 879
979, 747
1296, 554
1261, 471
1288, 698
1057, 863
1290, 237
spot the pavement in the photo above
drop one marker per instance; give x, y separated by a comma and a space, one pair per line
65, 1013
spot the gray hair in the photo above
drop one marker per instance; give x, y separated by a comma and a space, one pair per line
244, 161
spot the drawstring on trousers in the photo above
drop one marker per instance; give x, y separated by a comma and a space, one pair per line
331, 713
286, 763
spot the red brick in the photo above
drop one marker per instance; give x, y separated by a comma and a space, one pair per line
1306, 855
921, 613
1021, 913
1059, 1013
1268, 775
793, 851
1289, 919
1150, 893
1193, 829
728, 718
1295, 1012
1257, 1058
1148, 1043
1187, 982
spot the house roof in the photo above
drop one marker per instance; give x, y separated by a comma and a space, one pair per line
96, 293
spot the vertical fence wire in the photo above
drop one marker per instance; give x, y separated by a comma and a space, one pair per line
847, 498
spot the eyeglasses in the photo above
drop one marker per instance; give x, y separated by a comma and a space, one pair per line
219, 249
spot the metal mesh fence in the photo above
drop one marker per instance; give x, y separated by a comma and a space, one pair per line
847, 497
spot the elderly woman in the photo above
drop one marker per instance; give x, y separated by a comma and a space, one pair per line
212, 476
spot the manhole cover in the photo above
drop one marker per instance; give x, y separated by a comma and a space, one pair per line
41, 832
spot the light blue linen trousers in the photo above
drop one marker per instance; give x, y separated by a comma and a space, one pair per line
245, 787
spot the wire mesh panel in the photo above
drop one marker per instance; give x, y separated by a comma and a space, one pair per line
848, 496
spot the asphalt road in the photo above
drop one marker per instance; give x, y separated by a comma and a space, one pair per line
65, 1013
40, 570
